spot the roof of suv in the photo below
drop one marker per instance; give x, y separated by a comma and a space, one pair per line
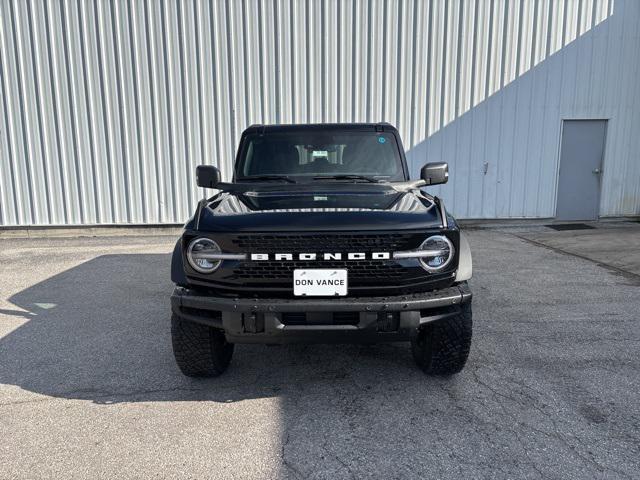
296, 127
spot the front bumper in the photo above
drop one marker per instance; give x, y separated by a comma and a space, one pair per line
369, 319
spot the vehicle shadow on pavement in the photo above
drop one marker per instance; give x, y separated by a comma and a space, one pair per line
100, 331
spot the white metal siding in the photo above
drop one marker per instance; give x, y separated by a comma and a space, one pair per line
107, 106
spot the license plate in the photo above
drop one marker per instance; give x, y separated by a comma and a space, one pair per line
320, 282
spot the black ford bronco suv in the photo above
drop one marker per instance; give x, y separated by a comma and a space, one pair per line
321, 237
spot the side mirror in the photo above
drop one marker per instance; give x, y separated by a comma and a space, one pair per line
435, 173
207, 176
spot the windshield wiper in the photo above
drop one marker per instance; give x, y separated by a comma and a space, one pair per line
267, 177
346, 177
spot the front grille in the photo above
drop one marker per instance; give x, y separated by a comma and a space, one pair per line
327, 243
361, 272
275, 278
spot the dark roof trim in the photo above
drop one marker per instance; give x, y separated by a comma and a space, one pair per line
382, 126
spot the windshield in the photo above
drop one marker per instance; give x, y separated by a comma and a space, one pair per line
334, 155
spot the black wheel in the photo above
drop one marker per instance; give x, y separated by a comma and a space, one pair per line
200, 351
442, 347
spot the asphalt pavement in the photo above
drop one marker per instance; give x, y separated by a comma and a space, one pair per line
89, 388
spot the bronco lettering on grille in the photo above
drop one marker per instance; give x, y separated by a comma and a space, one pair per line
264, 257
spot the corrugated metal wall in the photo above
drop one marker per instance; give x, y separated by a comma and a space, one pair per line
108, 106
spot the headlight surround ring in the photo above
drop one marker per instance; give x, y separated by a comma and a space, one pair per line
196, 252
437, 242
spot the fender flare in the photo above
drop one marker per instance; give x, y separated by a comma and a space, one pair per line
465, 263
177, 266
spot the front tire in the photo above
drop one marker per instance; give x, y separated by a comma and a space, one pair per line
200, 351
442, 347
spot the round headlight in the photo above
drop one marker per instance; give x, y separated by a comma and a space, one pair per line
199, 255
442, 250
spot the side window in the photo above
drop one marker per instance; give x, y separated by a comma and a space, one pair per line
248, 159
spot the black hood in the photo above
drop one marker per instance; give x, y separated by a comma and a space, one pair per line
317, 207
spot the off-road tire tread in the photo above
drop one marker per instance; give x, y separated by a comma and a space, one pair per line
442, 347
199, 350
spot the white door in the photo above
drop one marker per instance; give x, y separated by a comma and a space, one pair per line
581, 155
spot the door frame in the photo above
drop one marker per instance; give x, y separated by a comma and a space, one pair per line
607, 121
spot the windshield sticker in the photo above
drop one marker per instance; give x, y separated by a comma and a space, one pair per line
381, 139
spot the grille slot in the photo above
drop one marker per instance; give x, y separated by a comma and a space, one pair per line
346, 318
320, 318
294, 318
